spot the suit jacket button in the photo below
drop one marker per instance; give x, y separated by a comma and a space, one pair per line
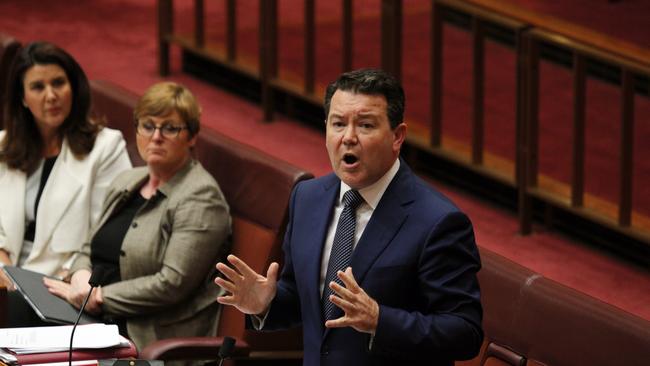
324, 351
134, 225
122, 253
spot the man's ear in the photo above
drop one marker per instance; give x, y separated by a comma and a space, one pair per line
399, 134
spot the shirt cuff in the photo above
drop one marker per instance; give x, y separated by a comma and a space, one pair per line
372, 340
258, 320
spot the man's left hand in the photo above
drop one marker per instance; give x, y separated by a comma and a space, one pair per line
361, 312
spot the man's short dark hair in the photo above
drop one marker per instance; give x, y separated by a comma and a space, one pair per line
371, 82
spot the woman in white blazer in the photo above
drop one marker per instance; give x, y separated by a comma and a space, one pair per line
55, 161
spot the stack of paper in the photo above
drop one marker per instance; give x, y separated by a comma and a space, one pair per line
57, 338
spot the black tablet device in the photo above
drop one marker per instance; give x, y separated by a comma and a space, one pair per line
48, 307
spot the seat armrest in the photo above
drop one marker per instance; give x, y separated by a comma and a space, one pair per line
191, 348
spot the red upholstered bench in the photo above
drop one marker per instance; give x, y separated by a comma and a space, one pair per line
532, 320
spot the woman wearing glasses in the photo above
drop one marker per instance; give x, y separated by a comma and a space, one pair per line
162, 228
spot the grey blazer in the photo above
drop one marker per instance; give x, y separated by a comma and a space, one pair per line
168, 256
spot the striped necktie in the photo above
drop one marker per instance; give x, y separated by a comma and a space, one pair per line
341, 249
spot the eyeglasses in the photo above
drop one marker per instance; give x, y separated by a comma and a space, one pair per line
148, 129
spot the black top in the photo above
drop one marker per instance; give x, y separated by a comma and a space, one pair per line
106, 245
48, 164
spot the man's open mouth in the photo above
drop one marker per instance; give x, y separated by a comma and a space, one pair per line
350, 158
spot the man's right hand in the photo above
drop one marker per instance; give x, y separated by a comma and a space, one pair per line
248, 291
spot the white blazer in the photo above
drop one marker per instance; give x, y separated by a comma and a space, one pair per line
70, 203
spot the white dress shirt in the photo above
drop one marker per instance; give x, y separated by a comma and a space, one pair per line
371, 196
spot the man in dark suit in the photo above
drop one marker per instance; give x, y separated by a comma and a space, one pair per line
379, 267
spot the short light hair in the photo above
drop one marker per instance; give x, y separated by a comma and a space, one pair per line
165, 97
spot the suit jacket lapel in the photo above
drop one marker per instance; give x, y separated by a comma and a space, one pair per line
12, 213
388, 217
116, 199
56, 198
318, 218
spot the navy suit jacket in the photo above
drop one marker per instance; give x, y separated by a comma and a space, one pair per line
416, 257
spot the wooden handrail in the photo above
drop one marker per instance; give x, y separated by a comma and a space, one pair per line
630, 61
533, 37
568, 30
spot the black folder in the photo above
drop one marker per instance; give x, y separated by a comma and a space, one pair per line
48, 307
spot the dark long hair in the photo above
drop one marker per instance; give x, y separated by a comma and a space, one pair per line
22, 146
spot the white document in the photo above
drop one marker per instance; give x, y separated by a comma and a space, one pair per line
57, 338
74, 363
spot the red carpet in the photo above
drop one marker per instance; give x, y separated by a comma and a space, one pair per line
115, 40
